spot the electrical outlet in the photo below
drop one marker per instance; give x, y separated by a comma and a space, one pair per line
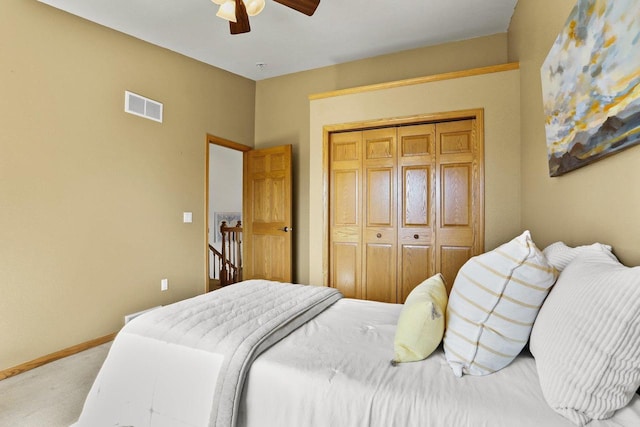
164, 284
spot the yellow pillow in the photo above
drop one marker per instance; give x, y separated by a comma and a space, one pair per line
421, 323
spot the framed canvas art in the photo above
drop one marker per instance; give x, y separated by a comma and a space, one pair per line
591, 84
231, 219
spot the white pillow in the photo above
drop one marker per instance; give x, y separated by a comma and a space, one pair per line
560, 255
493, 304
421, 323
586, 339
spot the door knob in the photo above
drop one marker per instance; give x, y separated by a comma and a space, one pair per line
379, 235
286, 229
415, 236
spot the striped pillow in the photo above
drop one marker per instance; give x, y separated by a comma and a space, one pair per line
493, 304
586, 339
560, 255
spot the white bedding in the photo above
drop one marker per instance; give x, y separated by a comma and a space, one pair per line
333, 371
219, 333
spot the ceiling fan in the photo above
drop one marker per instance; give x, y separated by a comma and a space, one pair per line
237, 12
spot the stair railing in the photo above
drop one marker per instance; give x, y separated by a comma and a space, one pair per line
230, 255
215, 263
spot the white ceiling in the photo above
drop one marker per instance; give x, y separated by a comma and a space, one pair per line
287, 41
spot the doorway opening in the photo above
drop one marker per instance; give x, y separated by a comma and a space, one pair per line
224, 194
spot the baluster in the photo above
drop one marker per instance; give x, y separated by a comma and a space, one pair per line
239, 249
223, 270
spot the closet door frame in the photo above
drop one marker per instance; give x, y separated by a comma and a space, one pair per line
477, 114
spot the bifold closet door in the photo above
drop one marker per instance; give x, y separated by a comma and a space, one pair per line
459, 210
405, 202
416, 207
345, 213
380, 213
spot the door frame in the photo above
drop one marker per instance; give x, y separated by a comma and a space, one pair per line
222, 142
327, 130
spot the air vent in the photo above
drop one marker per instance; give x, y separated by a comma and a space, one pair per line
143, 107
129, 317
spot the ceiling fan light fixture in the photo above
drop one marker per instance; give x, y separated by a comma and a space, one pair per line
237, 12
227, 11
254, 7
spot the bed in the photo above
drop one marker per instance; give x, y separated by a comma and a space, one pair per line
326, 365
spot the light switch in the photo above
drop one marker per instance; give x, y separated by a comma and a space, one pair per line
164, 284
187, 217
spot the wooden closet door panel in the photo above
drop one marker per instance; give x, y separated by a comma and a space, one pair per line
345, 218
380, 206
416, 200
458, 196
380, 187
456, 199
452, 258
414, 266
380, 272
345, 201
345, 271
416, 207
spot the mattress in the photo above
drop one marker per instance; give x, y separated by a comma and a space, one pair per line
335, 371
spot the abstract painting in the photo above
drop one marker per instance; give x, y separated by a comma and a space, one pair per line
591, 84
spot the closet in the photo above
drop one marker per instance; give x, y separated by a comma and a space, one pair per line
405, 202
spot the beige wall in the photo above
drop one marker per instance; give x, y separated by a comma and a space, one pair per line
91, 198
496, 93
282, 107
600, 202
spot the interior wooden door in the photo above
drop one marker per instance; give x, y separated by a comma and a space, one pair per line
267, 214
416, 206
458, 196
345, 216
380, 212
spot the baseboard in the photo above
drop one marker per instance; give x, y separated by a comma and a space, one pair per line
55, 356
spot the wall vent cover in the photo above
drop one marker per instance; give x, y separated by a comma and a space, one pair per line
129, 317
143, 107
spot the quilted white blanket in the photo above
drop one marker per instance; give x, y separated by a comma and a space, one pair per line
220, 333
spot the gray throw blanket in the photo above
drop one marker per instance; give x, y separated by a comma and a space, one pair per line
239, 322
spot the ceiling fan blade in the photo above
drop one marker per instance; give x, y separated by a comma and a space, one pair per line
308, 7
242, 19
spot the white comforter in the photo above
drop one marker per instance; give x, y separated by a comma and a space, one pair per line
335, 371
332, 371
219, 333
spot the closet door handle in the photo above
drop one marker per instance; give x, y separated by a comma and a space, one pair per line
379, 235
415, 236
